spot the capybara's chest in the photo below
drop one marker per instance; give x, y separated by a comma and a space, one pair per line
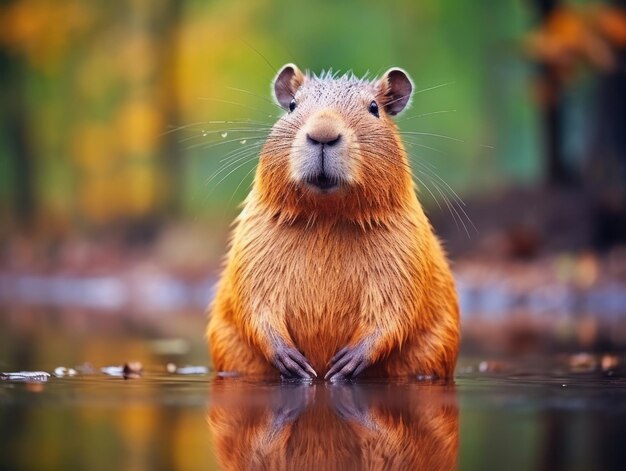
321, 284
323, 310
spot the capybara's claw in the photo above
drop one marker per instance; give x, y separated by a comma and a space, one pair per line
348, 363
292, 364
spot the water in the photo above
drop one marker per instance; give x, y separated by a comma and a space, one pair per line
550, 412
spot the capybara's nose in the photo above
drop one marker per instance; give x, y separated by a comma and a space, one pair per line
326, 138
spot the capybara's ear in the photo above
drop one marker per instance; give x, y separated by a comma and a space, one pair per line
286, 83
394, 90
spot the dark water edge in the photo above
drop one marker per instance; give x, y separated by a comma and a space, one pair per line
532, 310
164, 293
528, 415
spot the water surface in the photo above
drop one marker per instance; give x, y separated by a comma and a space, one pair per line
531, 414
546, 412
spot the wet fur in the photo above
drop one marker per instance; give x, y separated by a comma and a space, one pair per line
322, 272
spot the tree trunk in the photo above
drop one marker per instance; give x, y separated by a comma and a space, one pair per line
18, 139
551, 110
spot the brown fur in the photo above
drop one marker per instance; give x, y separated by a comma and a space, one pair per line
320, 272
343, 427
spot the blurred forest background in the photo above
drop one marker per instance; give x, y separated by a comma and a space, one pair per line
116, 118
128, 135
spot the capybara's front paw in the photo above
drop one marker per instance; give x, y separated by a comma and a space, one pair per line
349, 362
292, 364
350, 404
291, 403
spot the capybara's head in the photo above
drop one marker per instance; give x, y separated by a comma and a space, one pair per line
336, 151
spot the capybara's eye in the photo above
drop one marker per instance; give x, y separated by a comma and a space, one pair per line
292, 104
374, 108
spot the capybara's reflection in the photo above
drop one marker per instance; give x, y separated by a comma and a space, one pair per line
334, 426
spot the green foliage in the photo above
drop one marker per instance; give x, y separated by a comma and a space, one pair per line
100, 90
